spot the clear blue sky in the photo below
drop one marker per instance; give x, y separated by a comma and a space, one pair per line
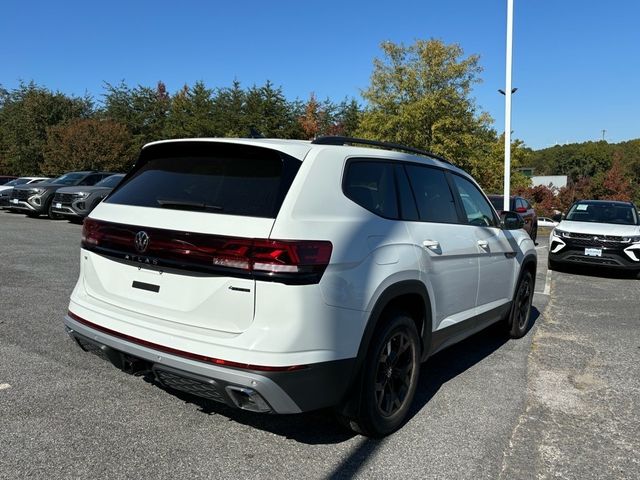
576, 62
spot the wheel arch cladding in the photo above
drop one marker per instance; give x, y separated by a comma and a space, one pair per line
529, 263
410, 296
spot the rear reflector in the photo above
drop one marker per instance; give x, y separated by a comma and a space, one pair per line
287, 261
182, 353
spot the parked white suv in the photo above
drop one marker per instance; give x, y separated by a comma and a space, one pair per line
596, 234
285, 276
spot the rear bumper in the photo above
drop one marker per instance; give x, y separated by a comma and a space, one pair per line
316, 386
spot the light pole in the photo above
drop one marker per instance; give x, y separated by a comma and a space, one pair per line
507, 107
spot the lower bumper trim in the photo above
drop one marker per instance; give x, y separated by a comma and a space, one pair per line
319, 385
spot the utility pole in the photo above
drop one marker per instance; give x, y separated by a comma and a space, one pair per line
507, 108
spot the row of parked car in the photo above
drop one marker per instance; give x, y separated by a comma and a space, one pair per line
72, 195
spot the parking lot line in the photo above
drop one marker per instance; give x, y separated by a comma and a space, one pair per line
547, 285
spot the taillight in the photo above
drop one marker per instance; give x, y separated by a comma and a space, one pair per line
289, 261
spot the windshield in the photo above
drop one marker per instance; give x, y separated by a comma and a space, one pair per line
69, 179
17, 181
110, 182
603, 213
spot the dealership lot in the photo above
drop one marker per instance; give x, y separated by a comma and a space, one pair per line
563, 400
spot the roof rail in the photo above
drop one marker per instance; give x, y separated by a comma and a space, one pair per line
337, 140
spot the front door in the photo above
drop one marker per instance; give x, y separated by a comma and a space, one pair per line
497, 252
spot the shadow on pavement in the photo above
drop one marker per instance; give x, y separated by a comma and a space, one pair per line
320, 427
601, 272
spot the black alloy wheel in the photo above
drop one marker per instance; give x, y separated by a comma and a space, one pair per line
520, 316
394, 375
389, 377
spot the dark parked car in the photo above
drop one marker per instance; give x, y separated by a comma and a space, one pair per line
77, 202
521, 206
36, 200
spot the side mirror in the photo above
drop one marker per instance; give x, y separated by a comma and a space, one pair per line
511, 221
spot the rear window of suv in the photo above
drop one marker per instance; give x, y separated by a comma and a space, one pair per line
209, 177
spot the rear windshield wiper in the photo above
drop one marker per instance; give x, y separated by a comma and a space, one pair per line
187, 205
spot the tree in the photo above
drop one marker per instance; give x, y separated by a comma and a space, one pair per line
228, 111
616, 184
579, 190
543, 198
420, 95
25, 114
327, 118
143, 110
87, 144
348, 118
486, 163
310, 121
266, 109
191, 113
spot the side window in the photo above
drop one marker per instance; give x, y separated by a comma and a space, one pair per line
433, 195
91, 180
476, 207
408, 209
371, 185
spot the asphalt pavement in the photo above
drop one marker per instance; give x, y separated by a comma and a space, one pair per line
485, 408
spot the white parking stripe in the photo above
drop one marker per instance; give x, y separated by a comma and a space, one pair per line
547, 283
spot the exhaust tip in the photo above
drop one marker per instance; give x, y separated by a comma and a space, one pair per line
248, 399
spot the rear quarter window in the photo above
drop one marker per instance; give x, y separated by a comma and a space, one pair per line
371, 185
209, 177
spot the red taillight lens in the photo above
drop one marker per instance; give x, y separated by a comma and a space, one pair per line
278, 256
300, 261
521, 210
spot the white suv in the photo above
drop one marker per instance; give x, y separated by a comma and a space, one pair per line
597, 234
285, 276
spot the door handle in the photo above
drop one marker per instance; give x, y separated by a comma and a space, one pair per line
431, 244
483, 244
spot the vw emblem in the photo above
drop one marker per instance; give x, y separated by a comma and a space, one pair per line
141, 242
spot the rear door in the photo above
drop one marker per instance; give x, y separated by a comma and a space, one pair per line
172, 240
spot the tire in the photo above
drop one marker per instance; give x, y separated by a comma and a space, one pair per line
51, 214
389, 378
519, 319
534, 233
552, 265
